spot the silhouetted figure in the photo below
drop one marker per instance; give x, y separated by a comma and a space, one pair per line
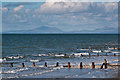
104, 64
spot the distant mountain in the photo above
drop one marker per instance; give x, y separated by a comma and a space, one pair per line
97, 31
43, 29
51, 30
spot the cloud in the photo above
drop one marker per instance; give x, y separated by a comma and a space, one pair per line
4, 8
72, 7
17, 16
111, 6
62, 7
24, 20
108, 18
18, 4
62, 1
68, 16
18, 8
82, 0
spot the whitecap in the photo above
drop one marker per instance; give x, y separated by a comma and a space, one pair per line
2, 60
111, 48
115, 52
21, 56
11, 57
42, 55
34, 60
59, 55
83, 49
79, 54
15, 70
106, 51
16, 57
96, 51
39, 73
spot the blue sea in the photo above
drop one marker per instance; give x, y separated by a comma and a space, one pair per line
52, 48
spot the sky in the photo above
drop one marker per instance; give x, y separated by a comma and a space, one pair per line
69, 17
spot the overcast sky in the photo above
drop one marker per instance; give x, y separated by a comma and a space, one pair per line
67, 16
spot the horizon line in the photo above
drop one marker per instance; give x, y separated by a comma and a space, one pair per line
61, 33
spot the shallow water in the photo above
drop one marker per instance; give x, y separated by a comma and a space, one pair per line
51, 49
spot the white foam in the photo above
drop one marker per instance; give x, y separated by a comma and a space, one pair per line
115, 52
34, 60
11, 57
15, 71
106, 50
111, 48
83, 49
21, 57
59, 55
42, 55
96, 51
16, 57
0, 71
39, 73
2, 60
79, 54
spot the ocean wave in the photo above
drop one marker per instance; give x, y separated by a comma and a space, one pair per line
2, 60
37, 60
106, 51
59, 55
115, 52
42, 54
83, 49
14, 57
37, 73
97, 51
111, 48
14, 71
79, 54
11, 57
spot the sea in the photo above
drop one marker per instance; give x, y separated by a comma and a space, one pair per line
62, 48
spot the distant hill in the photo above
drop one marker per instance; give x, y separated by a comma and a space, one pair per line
43, 29
51, 30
